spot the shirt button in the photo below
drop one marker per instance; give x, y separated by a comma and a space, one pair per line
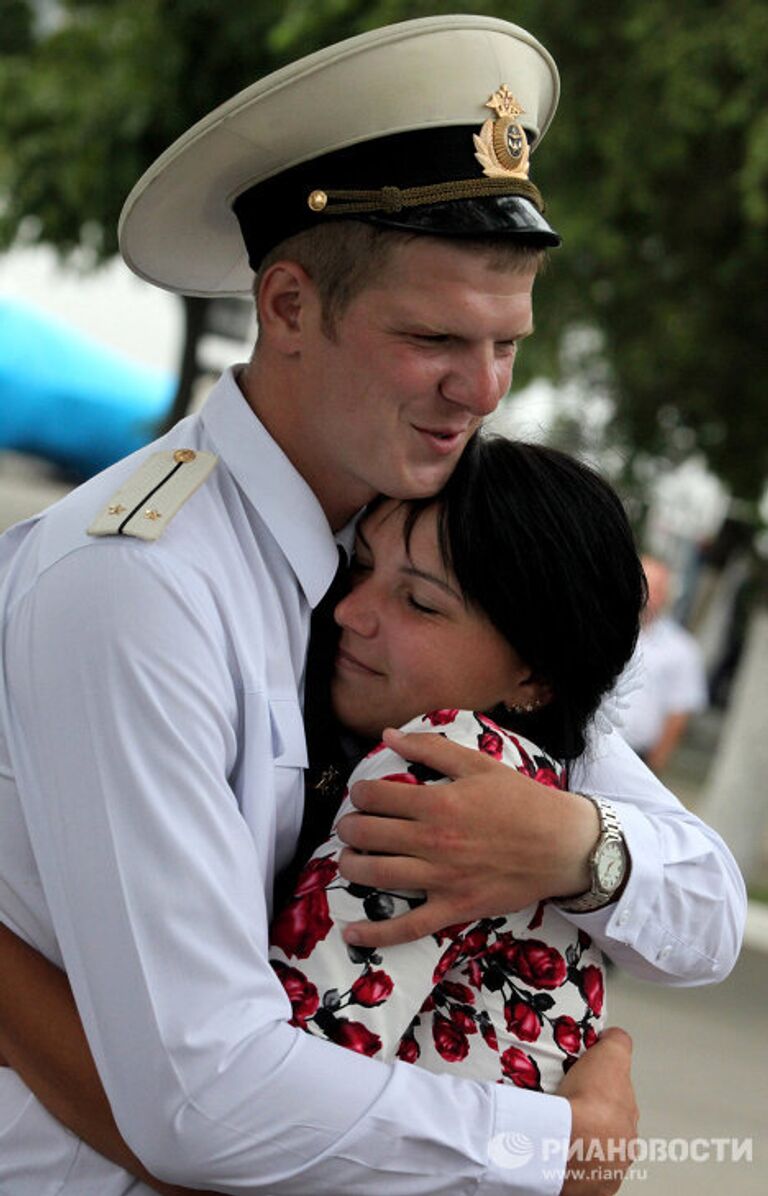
624, 918
665, 952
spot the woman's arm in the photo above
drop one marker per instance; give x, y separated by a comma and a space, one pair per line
42, 1039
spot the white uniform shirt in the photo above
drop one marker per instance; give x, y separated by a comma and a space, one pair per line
151, 754
669, 670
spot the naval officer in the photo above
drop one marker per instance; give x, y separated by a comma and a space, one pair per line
155, 629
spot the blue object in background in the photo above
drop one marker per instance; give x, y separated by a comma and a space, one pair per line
70, 400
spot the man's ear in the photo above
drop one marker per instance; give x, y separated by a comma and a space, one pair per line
286, 297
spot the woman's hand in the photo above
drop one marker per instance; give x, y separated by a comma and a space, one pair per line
489, 842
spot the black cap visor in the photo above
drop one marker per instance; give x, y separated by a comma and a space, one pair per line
499, 216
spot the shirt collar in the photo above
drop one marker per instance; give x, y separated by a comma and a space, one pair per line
276, 489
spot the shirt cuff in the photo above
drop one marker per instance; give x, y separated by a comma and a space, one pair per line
633, 921
528, 1152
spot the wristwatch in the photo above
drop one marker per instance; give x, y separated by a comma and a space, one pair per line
608, 863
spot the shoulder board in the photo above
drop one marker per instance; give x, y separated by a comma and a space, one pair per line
146, 503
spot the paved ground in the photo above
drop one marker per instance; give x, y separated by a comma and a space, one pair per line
701, 1072
26, 486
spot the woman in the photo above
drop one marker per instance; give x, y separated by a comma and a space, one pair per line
516, 594
506, 607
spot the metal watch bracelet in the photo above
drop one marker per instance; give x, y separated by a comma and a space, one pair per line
596, 897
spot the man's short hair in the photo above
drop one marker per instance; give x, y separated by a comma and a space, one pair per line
343, 258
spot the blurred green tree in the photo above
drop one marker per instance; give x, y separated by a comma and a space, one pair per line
655, 169
96, 98
17, 27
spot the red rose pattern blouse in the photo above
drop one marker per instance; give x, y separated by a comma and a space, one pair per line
514, 999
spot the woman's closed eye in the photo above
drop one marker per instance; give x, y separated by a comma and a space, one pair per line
423, 607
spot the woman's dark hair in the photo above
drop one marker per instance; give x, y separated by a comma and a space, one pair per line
541, 544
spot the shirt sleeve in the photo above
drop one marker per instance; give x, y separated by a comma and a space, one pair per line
125, 724
684, 678
680, 919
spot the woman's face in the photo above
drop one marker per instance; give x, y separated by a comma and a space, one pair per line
409, 642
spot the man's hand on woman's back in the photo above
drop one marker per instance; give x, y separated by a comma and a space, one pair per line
605, 1116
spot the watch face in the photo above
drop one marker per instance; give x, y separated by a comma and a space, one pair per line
609, 866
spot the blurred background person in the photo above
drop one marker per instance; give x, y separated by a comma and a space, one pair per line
666, 681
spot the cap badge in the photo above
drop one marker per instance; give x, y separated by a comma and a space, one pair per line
501, 147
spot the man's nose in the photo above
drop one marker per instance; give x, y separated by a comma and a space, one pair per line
478, 380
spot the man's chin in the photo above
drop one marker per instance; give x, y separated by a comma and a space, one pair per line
421, 483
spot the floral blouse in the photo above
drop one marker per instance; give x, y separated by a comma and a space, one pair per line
514, 999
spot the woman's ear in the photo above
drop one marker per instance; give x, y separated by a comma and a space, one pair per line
529, 694
285, 297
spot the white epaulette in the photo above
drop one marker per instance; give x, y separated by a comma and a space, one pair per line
148, 501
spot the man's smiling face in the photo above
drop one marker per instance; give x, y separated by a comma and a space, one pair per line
418, 359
